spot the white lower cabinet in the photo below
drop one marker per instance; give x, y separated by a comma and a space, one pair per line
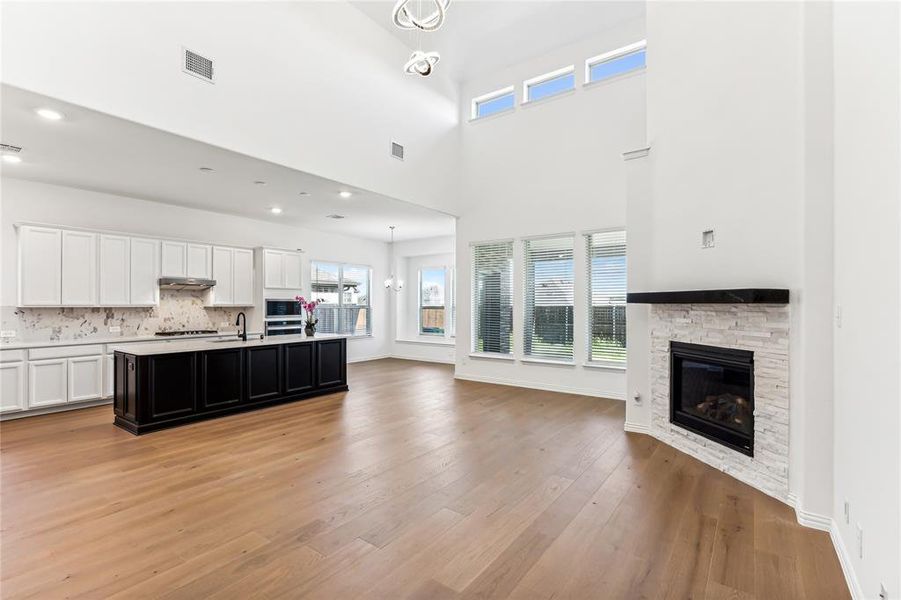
85, 378
12, 387
47, 382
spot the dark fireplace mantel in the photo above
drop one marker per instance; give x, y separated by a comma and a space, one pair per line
741, 296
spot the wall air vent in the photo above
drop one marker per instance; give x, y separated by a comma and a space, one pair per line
397, 151
10, 148
197, 65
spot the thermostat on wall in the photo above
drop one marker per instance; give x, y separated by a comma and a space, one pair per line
707, 240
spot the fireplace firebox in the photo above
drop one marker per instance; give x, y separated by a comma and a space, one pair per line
712, 393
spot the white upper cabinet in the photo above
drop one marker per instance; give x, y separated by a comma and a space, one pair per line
243, 277
199, 261
40, 266
79, 268
145, 272
233, 272
223, 273
115, 269
282, 269
174, 259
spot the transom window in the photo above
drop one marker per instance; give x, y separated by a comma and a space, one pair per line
617, 62
549, 84
493, 103
607, 296
432, 311
344, 292
548, 291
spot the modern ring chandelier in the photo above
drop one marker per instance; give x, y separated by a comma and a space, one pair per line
420, 62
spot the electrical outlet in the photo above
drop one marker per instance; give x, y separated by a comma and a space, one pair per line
883, 593
115, 329
859, 541
223, 323
847, 512
637, 397
8, 333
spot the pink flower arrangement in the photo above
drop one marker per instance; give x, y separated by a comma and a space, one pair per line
308, 306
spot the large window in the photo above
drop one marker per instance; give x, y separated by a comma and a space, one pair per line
607, 296
548, 303
549, 84
432, 313
492, 298
619, 61
344, 291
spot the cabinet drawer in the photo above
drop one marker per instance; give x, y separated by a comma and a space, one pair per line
11, 355
65, 351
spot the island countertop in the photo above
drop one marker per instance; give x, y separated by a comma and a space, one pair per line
195, 345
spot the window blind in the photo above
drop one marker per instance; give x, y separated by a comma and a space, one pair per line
548, 290
607, 296
492, 298
344, 292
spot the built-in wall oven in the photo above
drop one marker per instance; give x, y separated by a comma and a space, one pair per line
283, 317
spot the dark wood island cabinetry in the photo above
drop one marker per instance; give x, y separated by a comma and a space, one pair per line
160, 386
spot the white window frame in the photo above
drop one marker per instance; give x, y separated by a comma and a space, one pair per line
612, 55
529, 83
511, 355
420, 306
537, 358
341, 266
474, 107
586, 240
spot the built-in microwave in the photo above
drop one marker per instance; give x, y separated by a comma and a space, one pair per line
283, 327
282, 309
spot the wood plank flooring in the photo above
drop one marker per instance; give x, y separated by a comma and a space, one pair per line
411, 485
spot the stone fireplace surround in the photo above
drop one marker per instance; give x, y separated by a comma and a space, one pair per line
760, 328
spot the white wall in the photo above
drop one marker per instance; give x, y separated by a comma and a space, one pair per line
36, 202
409, 258
552, 167
316, 86
867, 361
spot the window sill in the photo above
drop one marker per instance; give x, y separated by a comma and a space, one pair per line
604, 366
366, 336
490, 356
548, 361
437, 342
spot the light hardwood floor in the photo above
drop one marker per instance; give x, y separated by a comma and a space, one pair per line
411, 485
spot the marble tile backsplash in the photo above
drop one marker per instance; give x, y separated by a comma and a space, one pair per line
181, 309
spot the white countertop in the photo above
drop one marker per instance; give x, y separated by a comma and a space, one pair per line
112, 339
196, 345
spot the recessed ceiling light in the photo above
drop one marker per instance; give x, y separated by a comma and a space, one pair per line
207, 169
11, 159
334, 217
49, 114
345, 194
259, 182
275, 210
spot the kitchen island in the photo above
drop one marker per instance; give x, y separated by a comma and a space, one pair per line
168, 384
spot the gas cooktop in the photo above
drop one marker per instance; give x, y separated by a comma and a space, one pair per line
186, 332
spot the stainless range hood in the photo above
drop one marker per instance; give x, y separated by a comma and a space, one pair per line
186, 283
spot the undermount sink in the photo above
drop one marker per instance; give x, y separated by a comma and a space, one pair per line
229, 340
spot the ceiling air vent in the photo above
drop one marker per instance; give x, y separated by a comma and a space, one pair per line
397, 151
336, 217
197, 65
10, 148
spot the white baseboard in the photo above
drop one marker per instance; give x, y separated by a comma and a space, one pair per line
807, 518
542, 386
636, 427
54, 409
441, 361
367, 358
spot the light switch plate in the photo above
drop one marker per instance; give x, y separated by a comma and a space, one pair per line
708, 239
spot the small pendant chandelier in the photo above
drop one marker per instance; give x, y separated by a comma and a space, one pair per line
393, 283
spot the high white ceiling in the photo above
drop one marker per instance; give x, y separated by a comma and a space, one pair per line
94, 151
481, 36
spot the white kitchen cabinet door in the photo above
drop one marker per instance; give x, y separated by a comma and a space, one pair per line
40, 266
79, 268
223, 273
293, 266
85, 378
47, 382
273, 269
109, 370
242, 294
199, 261
145, 272
115, 265
12, 387
174, 261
